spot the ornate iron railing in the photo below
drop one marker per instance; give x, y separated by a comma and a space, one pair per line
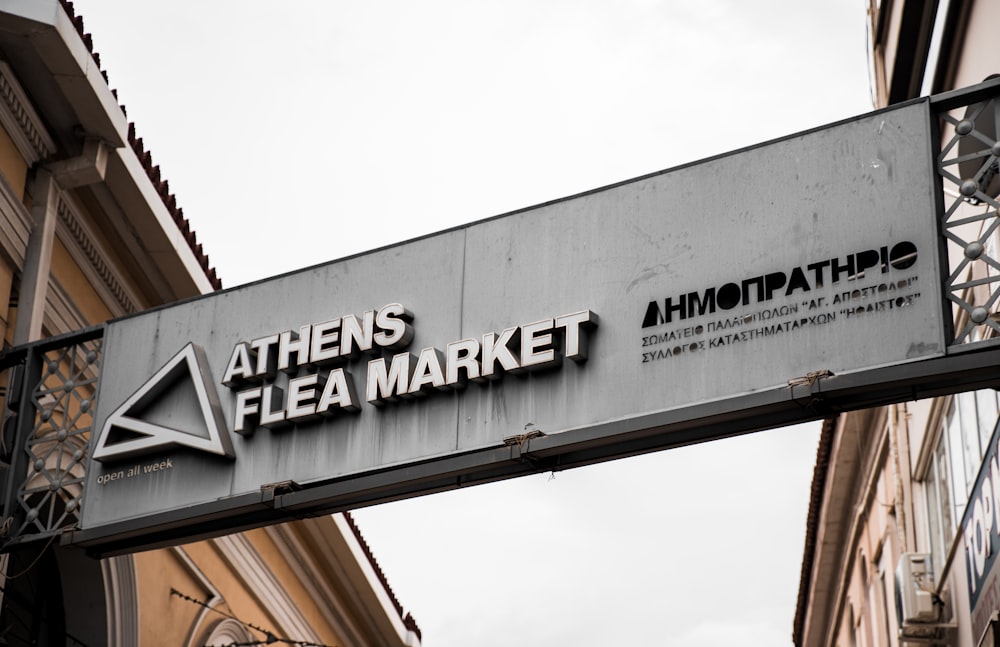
968, 165
50, 399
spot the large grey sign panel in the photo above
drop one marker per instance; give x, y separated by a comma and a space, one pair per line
708, 282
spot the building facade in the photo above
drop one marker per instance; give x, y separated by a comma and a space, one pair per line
90, 232
901, 530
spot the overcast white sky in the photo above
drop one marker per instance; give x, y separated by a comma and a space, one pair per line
295, 133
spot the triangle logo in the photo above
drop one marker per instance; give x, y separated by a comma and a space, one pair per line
161, 414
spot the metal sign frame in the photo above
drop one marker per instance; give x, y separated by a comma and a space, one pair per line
970, 360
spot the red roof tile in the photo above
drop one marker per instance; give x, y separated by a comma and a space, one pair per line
408, 620
146, 159
823, 452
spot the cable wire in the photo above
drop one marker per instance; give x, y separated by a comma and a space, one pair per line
269, 637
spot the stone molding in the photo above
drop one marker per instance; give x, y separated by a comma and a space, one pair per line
93, 260
15, 225
122, 600
21, 121
258, 577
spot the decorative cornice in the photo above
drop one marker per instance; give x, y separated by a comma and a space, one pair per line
94, 259
231, 632
383, 580
162, 187
122, 600
214, 596
15, 225
62, 314
820, 470
21, 121
313, 551
302, 560
146, 160
258, 577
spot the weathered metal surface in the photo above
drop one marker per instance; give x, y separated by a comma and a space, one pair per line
793, 213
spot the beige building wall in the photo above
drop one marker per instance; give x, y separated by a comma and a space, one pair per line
70, 257
894, 482
975, 59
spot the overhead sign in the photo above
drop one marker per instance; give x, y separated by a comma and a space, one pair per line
702, 286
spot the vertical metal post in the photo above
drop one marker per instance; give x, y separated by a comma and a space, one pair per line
24, 377
934, 155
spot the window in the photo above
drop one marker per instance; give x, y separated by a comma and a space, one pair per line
940, 525
959, 448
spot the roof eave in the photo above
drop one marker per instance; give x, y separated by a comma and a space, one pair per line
59, 72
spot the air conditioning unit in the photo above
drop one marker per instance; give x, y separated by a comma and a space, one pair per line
915, 590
